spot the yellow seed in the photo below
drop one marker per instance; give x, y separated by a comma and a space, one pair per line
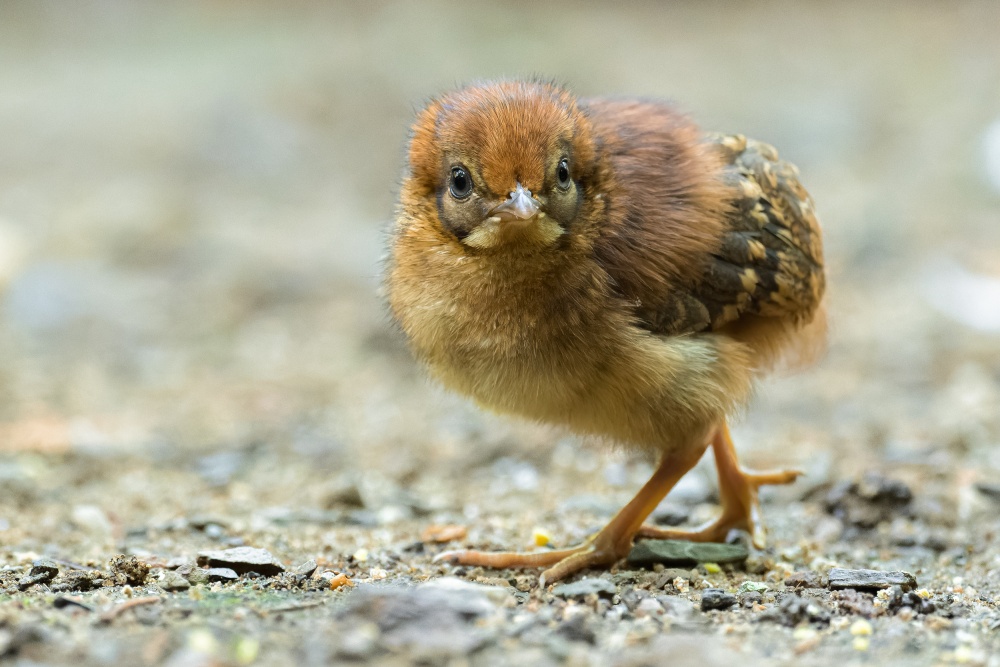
712, 568
861, 628
541, 537
246, 650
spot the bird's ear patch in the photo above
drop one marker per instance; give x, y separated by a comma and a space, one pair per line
425, 155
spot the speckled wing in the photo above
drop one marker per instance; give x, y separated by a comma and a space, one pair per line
770, 262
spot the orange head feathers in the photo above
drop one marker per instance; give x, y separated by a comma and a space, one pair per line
504, 162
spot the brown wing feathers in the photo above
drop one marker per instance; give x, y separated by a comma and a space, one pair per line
769, 262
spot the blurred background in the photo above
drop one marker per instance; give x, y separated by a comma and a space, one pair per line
194, 197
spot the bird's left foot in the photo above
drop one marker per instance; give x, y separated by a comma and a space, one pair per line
608, 546
738, 493
600, 550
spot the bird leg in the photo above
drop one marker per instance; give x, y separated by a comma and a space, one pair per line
605, 548
738, 493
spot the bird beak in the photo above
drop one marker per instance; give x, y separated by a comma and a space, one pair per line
519, 206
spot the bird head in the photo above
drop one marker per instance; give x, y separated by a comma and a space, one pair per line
506, 163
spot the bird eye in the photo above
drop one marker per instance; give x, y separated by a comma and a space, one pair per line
562, 173
461, 183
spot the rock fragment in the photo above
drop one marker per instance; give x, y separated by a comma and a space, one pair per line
677, 553
900, 599
716, 598
840, 578
869, 501
221, 574
585, 587
794, 610
804, 579
428, 623
172, 581
193, 574
305, 570
42, 571
242, 560
78, 580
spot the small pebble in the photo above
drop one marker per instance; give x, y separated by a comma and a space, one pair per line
584, 587
648, 607
716, 598
840, 578
804, 579
242, 560
679, 553
753, 587
221, 574
171, 581
306, 570
42, 571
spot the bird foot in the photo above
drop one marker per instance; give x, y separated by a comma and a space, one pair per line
607, 546
740, 508
601, 550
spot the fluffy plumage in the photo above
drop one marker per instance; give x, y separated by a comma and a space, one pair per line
663, 269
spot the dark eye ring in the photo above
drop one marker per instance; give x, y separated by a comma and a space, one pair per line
562, 173
460, 184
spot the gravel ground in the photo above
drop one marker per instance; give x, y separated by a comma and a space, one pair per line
194, 357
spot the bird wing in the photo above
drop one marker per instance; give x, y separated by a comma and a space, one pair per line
770, 260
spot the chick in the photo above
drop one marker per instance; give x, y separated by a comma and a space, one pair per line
605, 266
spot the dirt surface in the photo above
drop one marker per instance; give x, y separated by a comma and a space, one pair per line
194, 357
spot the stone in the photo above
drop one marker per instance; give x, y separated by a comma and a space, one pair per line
716, 598
678, 553
78, 580
171, 581
456, 586
870, 501
899, 599
42, 571
584, 587
793, 610
63, 602
305, 570
804, 579
427, 623
193, 574
753, 587
840, 578
242, 560
222, 574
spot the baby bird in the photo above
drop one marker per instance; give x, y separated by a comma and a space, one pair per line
604, 265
